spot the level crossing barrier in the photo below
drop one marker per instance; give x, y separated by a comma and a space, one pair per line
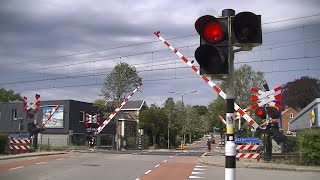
248, 148
19, 144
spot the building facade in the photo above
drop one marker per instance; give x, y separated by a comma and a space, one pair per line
287, 115
65, 128
307, 118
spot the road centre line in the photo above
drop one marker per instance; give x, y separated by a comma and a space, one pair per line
170, 157
41, 162
157, 166
165, 161
16, 168
148, 172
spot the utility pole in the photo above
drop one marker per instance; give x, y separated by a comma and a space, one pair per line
230, 147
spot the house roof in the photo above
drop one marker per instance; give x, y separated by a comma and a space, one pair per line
286, 110
134, 105
126, 116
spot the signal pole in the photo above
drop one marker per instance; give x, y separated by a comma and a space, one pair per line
230, 149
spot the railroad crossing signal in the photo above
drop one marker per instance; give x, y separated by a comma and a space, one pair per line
216, 43
272, 97
31, 107
212, 54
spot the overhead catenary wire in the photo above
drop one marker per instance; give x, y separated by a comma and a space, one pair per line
94, 74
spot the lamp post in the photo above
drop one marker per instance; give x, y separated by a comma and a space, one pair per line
182, 95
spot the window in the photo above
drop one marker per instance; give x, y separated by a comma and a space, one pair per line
291, 115
14, 114
82, 116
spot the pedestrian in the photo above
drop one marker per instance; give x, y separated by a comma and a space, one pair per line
209, 145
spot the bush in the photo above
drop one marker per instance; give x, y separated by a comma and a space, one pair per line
309, 146
4, 142
291, 145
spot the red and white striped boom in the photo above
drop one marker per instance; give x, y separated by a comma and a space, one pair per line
50, 115
237, 108
108, 119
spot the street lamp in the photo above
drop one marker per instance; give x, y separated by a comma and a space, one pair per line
182, 95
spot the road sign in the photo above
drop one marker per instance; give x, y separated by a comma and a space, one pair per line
247, 140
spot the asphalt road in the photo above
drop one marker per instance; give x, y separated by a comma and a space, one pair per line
132, 165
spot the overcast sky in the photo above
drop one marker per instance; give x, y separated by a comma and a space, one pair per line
64, 49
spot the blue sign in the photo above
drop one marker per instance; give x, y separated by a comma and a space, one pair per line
20, 136
247, 140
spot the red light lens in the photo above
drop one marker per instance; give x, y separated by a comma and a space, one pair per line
260, 112
213, 32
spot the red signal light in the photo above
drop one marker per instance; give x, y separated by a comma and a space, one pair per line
213, 32
260, 112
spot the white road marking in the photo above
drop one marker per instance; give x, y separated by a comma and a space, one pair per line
199, 169
148, 172
165, 161
60, 159
16, 168
41, 162
137, 179
197, 173
157, 166
195, 177
33, 158
170, 157
200, 166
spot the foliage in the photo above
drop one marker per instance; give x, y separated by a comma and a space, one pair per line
154, 121
3, 142
201, 110
9, 96
216, 108
309, 146
103, 106
122, 80
301, 92
244, 79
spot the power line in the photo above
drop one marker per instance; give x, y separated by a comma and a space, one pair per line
156, 80
166, 68
112, 58
143, 43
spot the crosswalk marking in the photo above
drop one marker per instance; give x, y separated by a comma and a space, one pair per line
199, 169
195, 177
197, 173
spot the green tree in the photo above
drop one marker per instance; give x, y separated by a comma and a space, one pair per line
121, 81
154, 121
244, 79
300, 92
201, 110
9, 96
